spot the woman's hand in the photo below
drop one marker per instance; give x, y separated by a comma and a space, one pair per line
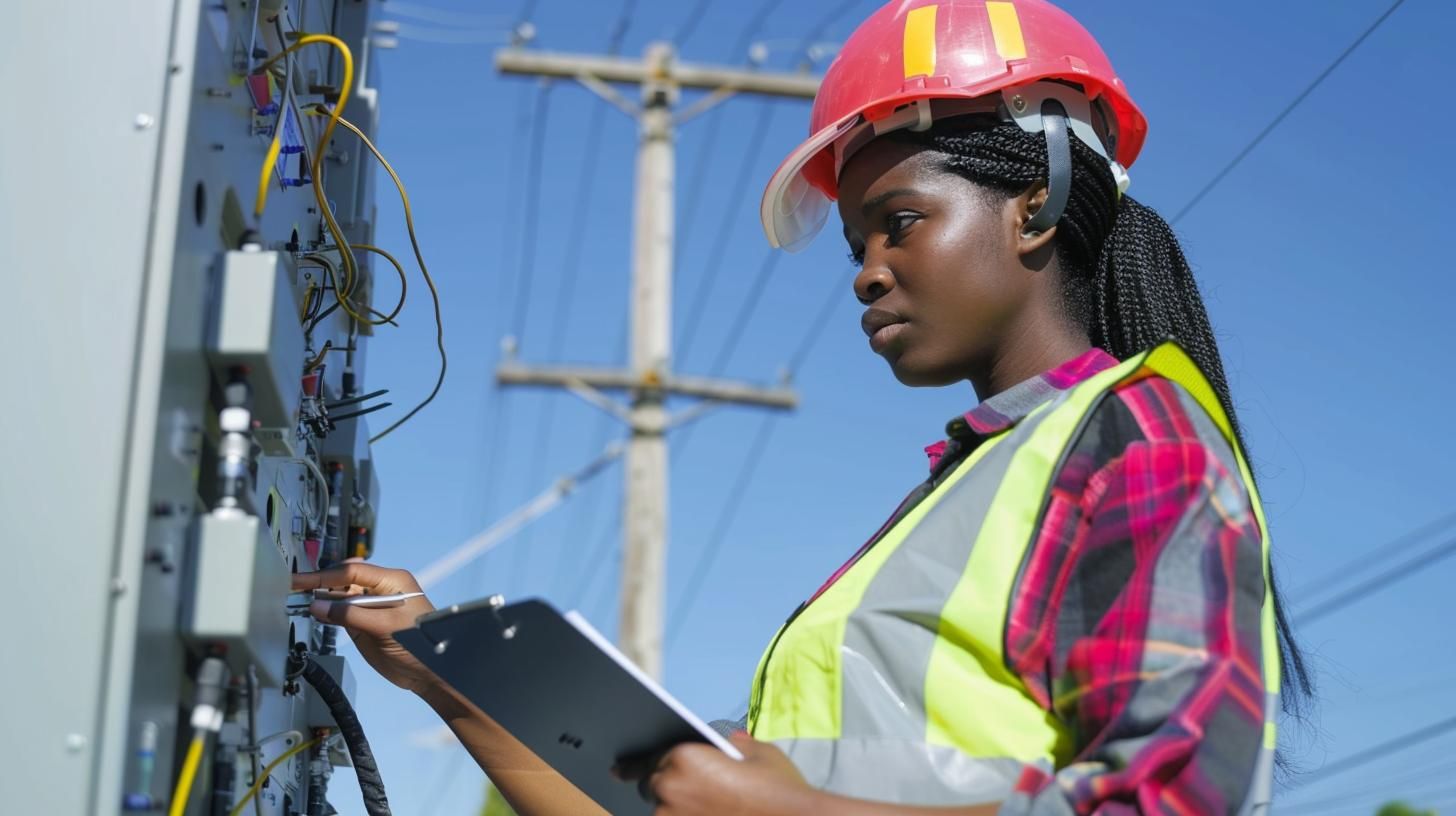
372, 629
698, 780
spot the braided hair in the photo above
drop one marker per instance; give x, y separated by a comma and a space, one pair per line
1124, 278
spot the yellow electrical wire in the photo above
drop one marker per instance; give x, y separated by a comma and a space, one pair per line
419, 258
183, 791
307, 300
317, 361
267, 772
403, 283
328, 265
347, 58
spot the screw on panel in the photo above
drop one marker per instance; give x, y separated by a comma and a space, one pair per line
1019, 103
118, 586
75, 743
143, 121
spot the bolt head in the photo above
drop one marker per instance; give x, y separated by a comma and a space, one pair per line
143, 121
1018, 102
75, 743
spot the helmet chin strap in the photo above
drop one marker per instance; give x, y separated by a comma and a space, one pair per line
1059, 169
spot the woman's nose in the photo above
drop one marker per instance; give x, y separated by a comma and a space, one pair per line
873, 282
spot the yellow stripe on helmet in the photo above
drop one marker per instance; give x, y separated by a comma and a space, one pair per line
920, 42
1006, 28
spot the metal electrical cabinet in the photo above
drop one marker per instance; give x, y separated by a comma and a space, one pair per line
145, 523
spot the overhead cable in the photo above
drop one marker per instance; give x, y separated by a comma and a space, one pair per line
690, 25
715, 540
571, 272
1417, 563
1284, 114
1381, 751
488, 539
1358, 566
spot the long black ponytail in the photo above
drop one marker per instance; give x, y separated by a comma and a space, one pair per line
1124, 279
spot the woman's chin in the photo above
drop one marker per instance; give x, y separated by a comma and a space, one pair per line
921, 376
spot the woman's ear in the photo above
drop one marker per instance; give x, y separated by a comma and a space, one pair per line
1026, 205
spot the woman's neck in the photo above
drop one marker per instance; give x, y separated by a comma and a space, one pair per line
1026, 355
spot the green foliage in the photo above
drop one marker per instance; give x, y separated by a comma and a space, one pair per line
1401, 809
495, 804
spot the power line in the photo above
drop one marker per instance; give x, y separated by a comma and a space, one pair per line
1278, 120
1416, 776
529, 250
715, 541
698, 176
571, 262
816, 32
1362, 802
529, 231
1381, 751
1356, 567
690, 26
720, 528
498, 415
745, 312
1415, 564
719, 251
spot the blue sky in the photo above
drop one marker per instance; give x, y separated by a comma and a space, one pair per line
1329, 294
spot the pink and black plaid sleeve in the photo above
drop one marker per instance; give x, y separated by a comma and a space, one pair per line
1136, 619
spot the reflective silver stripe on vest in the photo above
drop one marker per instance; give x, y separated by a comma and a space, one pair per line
886, 652
907, 772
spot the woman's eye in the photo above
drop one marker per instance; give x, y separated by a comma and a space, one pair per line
896, 223
856, 256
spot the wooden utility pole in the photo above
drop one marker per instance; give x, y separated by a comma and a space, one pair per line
649, 380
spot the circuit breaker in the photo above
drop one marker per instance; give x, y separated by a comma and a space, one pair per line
185, 398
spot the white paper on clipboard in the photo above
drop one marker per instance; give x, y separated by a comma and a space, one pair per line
582, 625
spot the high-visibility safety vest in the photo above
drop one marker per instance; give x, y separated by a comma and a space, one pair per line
893, 683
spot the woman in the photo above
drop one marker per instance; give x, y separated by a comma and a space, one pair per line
1074, 613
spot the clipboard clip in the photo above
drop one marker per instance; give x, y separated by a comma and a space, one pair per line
495, 602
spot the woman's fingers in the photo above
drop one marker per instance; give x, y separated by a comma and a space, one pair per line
374, 579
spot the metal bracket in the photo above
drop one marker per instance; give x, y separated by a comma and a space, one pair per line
610, 94
705, 104
692, 414
600, 400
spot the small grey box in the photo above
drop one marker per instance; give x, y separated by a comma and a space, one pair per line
256, 324
319, 715
237, 597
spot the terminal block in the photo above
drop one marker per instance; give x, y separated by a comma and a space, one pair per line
235, 606
255, 326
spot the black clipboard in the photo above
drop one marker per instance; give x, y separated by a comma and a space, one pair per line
560, 688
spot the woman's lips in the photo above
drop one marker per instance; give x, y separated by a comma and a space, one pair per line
881, 340
882, 328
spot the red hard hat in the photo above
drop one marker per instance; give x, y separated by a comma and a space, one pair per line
910, 52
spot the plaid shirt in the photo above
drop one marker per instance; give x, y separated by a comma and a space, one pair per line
1136, 617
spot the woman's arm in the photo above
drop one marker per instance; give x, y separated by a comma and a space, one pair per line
531, 786
699, 780
1140, 626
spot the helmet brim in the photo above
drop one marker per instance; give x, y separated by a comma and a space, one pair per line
794, 208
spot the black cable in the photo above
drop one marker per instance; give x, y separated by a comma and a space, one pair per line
690, 26
697, 177
720, 528
745, 475
1284, 114
571, 271
745, 312
718, 253
1358, 566
1411, 566
370, 783
1380, 751
531, 227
